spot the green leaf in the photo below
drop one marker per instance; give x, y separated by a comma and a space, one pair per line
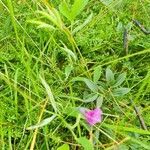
120, 91
78, 28
90, 97
77, 7
99, 101
90, 84
120, 27
64, 9
64, 147
109, 76
69, 52
106, 2
143, 144
129, 129
120, 79
97, 73
49, 93
42, 123
71, 111
71, 13
68, 70
102, 86
85, 143
129, 26
122, 147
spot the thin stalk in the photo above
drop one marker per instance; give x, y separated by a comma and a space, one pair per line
36, 130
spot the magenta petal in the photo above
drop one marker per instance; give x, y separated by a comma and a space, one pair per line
93, 116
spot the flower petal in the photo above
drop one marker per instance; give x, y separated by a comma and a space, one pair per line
93, 116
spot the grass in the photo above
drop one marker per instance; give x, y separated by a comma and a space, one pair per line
52, 62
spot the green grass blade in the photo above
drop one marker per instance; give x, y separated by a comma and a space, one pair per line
42, 123
127, 129
49, 93
11, 11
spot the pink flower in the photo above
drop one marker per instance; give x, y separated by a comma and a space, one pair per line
92, 116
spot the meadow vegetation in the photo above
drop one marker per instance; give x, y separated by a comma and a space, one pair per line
59, 58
